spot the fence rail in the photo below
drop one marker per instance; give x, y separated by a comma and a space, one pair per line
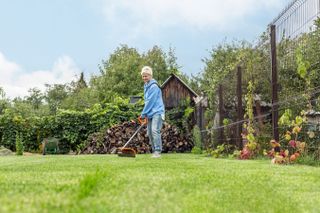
297, 18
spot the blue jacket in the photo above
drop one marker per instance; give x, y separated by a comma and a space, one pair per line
153, 103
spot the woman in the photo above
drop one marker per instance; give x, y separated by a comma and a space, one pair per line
153, 110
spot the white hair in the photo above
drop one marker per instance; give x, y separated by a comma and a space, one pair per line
146, 70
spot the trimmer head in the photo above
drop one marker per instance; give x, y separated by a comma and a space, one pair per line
127, 152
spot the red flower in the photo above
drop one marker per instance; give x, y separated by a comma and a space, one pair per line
293, 143
245, 154
282, 153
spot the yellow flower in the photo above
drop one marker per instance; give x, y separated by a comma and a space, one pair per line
288, 137
296, 129
286, 152
265, 153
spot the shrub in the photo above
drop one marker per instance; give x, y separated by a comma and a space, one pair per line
72, 128
196, 134
19, 144
308, 159
181, 116
223, 150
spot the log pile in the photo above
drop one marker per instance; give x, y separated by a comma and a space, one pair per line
105, 142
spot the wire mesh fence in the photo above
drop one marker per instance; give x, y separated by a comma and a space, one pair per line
296, 91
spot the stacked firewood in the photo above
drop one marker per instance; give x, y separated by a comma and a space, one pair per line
108, 141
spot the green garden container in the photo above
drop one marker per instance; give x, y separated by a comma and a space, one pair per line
50, 146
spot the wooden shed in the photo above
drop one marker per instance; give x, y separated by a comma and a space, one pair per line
174, 90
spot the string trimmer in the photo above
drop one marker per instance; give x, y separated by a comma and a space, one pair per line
128, 152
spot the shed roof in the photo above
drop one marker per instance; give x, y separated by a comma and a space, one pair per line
181, 81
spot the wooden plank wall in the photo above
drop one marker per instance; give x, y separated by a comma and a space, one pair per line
173, 92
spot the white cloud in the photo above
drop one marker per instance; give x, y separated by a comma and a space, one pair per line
7, 68
16, 81
147, 16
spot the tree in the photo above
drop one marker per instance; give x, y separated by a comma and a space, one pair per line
4, 102
171, 61
308, 64
81, 100
156, 59
120, 74
220, 69
80, 96
79, 85
299, 71
35, 97
55, 94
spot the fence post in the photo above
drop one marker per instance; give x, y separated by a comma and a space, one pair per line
239, 108
274, 82
221, 115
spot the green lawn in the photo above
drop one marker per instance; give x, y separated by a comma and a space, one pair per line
173, 183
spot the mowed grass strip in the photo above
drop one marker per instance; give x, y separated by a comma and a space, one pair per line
173, 183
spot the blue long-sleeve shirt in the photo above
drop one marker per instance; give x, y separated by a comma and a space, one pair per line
153, 103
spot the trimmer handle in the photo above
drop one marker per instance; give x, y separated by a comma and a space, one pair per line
142, 121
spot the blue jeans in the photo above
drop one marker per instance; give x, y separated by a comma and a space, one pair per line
153, 130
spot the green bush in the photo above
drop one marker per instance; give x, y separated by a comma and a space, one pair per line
72, 128
196, 134
196, 150
10, 124
181, 116
308, 159
19, 144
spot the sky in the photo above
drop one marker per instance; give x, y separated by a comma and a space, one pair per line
48, 42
